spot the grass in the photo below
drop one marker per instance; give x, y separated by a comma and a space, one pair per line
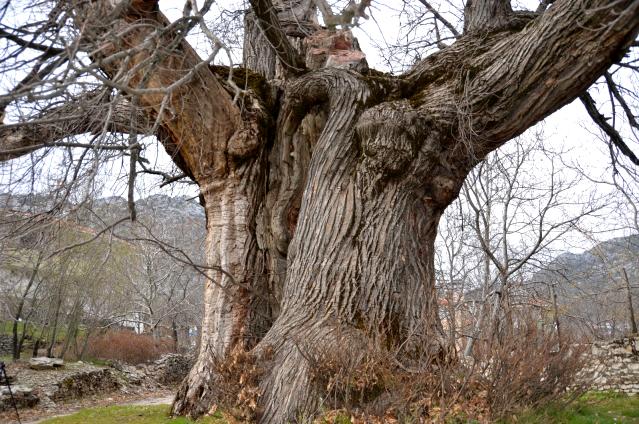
149, 414
592, 408
6, 327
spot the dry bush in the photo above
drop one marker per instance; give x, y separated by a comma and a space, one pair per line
237, 385
127, 346
369, 384
528, 366
525, 367
374, 385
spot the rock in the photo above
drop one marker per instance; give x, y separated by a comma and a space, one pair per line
3, 381
132, 375
44, 363
6, 345
170, 368
612, 365
22, 395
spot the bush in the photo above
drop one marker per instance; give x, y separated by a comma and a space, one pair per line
128, 347
527, 367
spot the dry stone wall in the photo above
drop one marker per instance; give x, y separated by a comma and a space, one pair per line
613, 366
6, 343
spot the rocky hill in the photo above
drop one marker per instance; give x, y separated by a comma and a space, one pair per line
592, 286
597, 269
178, 221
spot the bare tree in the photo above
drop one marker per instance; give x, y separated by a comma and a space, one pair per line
323, 181
515, 216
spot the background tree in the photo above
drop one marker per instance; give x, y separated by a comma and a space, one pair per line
517, 215
323, 181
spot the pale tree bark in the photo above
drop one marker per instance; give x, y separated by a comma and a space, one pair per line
323, 192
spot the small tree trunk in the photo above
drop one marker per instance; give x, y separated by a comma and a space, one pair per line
555, 312
485, 233
23, 336
631, 309
54, 329
16, 345
36, 347
174, 334
85, 344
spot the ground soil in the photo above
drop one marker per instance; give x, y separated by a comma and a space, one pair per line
151, 394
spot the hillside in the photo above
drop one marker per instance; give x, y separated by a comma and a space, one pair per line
178, 221
591, 286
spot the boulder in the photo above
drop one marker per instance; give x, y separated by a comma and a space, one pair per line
44, 363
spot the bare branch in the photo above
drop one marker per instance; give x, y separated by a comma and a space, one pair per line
440, 18
611, 132
91, 113
612, 87
270, 25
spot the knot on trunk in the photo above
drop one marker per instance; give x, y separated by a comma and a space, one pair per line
443, 189
391, 135
247, 139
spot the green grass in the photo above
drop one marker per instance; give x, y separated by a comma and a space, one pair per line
152, 414
6, 327
592, 408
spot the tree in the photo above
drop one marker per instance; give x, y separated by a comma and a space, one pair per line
516, 218
323, 181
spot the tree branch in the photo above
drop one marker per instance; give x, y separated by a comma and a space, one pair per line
49, 50
92, 113
612, 86
505, 82
270, 25
611, 132
440, 18
167, 78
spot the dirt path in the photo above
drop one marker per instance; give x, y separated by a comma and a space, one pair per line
34, 416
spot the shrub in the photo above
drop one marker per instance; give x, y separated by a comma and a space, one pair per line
527, 367
127, 346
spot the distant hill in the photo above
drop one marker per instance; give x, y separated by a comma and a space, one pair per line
591, 286
597, 269
179, 221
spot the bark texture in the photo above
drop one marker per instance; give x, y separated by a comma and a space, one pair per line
361, 168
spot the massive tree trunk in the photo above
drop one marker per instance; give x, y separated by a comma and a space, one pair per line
361, 168
323, 182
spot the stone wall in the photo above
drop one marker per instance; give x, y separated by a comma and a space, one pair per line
168, 370
6, 343
84, 384
613, 366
